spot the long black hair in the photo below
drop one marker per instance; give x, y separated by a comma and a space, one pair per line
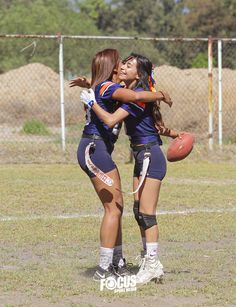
146, 81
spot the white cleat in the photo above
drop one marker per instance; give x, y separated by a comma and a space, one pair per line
150, 268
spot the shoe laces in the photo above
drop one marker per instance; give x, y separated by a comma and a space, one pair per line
126, 266
112, 269
141, 261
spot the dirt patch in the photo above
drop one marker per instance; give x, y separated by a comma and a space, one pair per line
170, 301
189, 91
33, 91
21, 299
212, 246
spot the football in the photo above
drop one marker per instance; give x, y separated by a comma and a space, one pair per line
180, 147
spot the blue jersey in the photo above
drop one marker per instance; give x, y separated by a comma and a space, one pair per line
140, 126
103, 95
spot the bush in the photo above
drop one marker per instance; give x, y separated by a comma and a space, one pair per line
35, 126
200, 61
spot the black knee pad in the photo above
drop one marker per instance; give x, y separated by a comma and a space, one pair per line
136, 210
147, 221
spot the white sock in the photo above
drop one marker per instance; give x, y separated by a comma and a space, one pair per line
152, 248
106, 255
118, 256
144, 245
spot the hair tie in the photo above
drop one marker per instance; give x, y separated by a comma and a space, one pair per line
152, 75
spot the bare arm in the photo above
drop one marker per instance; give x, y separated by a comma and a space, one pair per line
81, 82
109, 119
127, 95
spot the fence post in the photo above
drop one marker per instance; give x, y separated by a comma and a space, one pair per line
62, 104
220, 92
210, 103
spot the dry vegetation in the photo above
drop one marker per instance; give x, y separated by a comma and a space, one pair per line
33, 91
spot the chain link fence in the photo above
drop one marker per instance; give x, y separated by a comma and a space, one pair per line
32, 101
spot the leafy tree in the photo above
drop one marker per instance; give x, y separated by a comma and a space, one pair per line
91, 8
40, 17
149, 18
207, 17
216, 18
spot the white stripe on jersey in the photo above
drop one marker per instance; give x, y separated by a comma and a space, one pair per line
136, 105
106, 88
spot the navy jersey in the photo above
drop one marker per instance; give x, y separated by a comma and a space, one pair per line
139, 124
103, 95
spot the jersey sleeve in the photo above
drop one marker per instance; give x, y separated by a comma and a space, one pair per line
107, 89
135, 109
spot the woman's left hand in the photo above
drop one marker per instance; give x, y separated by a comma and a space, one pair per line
81, 82
166, 98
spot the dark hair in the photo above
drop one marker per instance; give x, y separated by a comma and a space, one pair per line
103, 65
144, 69
156, 113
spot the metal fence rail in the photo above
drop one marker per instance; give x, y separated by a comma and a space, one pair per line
35, 70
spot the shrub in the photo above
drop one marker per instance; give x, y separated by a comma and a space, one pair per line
201, 61
35, 126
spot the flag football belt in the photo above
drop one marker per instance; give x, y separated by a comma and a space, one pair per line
140, 147
90, 148
92, 136
146, 160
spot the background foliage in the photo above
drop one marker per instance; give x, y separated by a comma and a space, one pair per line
149, 18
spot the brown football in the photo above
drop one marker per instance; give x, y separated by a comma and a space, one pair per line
180, 147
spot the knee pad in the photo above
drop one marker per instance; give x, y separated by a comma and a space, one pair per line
146, 221
136, 210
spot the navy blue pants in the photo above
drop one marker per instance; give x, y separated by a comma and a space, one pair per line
157, 165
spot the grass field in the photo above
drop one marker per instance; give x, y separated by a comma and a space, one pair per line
49, 236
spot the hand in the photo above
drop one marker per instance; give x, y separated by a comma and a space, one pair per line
88, 98
80, 81
166, 98
180, 134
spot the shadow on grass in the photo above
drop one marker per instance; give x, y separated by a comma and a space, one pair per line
89, 272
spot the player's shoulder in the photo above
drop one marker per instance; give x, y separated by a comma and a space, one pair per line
106, 85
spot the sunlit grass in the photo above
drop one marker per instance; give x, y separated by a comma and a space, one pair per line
53, 259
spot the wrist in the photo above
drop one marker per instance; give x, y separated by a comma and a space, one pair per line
90, 104
162, 95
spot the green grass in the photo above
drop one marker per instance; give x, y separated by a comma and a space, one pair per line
56, 189
51, 261
35, 126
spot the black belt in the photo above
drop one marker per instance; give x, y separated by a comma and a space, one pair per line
92, 136
143, 146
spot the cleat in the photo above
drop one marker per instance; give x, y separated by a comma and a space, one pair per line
124, 270
150, 269
103, 274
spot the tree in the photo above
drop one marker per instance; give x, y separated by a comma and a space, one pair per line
41, 17
216, 18
207, 17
